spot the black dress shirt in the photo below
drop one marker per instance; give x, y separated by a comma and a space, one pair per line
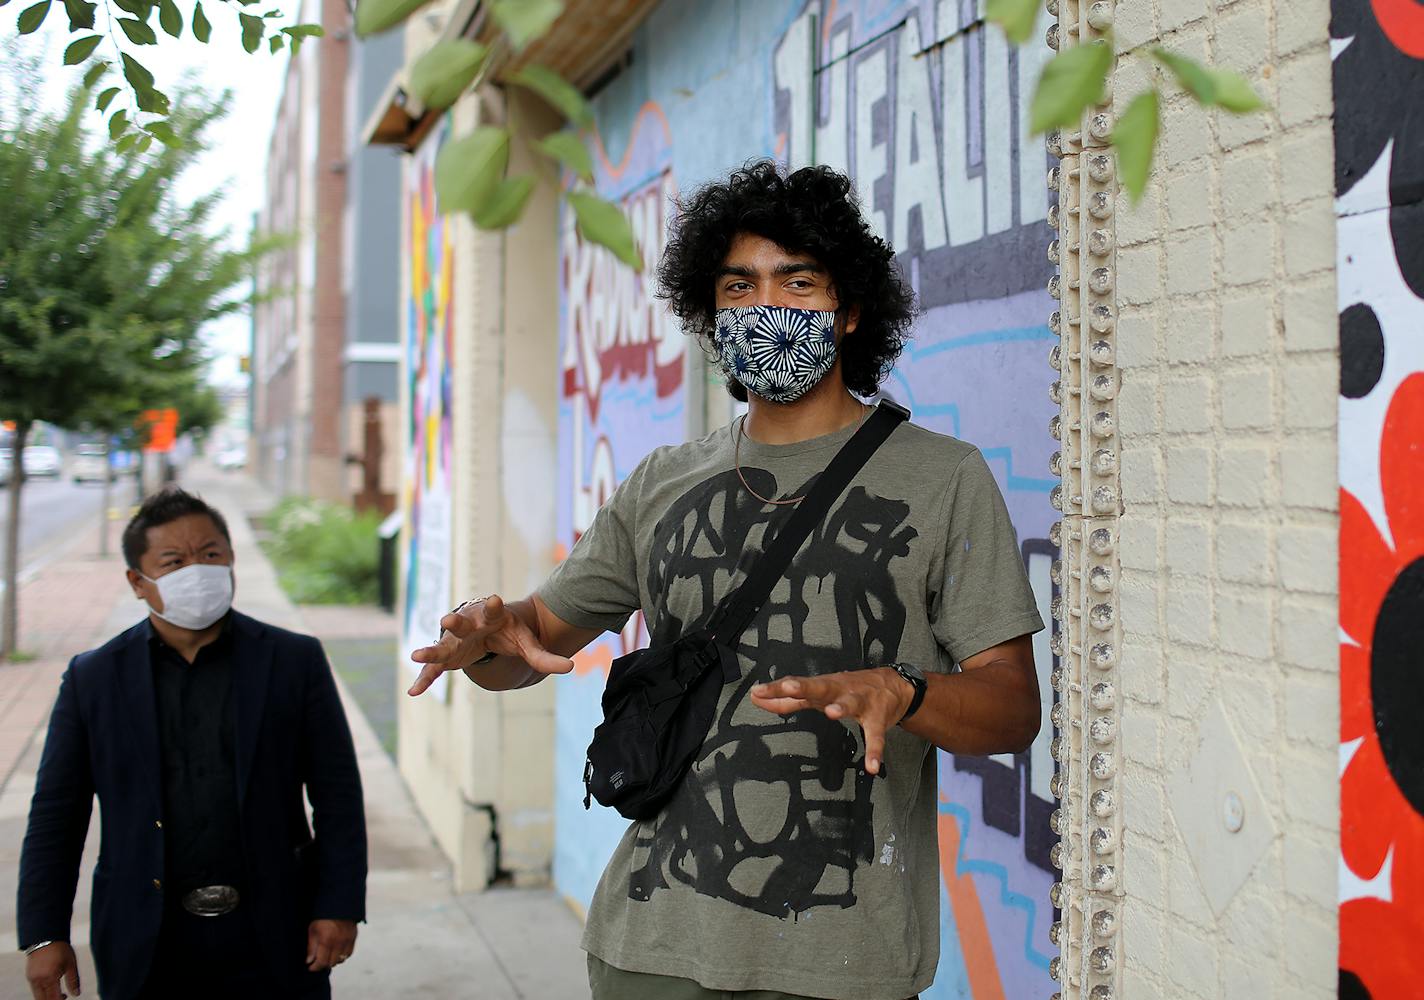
197, 755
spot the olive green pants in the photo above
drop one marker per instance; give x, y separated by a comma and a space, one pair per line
609, 983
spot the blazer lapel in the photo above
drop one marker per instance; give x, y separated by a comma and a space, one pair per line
252, 667
135, 677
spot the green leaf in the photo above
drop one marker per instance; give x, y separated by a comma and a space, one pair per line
557, 91
105, 99
138, 32
1070, 82
525, 20
144, 143
299, 32
140, 9
82, 49
1234, 93
81, 14
568, 149
1016, 17
1134, 137
253, 28
468, 170
274, 43
93, 73
169, 17
32, 17
126, 142
202, 27
136, 74
376, 16
440, 76
604, 223
506, 203
163, 132
1193, 77
118, 123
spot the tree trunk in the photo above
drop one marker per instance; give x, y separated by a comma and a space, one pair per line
11, 640
104, 508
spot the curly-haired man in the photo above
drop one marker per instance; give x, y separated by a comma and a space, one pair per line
799, 856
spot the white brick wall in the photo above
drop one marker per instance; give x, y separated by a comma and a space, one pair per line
1228, 541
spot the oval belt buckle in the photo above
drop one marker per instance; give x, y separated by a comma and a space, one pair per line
211, 900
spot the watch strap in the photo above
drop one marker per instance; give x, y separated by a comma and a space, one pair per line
919, 684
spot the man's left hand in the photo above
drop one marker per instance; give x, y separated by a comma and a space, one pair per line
329, 943
877, 699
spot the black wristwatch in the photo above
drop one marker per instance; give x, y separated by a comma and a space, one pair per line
916, 677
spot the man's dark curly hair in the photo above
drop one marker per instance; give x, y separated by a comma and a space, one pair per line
812, 211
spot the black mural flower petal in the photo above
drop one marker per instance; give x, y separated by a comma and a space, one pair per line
1361, 351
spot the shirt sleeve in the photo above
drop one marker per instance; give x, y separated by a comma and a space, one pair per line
981, 595
596, 586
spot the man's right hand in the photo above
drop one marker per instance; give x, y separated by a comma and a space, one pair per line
46, 967
479, 628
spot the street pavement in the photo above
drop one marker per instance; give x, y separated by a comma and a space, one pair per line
52, 511
421, 938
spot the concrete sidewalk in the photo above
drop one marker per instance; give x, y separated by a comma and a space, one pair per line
421, 938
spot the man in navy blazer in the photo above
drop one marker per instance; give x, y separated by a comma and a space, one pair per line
198, 729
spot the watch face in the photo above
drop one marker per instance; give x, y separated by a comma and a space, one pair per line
911, 670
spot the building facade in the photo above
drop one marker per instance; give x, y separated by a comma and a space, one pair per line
325, 331
1203, 410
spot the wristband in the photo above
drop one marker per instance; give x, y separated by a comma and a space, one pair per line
36, 947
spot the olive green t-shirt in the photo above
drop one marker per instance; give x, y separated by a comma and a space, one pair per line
779, 864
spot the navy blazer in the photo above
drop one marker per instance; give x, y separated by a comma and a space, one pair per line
291, 734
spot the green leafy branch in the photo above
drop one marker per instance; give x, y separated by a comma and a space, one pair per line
134, 19
472, 172
1076, 79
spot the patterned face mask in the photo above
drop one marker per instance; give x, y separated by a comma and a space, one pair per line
777, 352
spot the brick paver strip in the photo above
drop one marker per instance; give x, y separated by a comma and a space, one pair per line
61, 611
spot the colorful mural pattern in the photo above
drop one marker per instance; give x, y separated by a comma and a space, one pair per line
1379, 174
925, 107
429, 348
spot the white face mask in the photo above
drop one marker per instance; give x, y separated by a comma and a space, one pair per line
195, 596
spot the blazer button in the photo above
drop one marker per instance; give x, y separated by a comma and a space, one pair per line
157, 884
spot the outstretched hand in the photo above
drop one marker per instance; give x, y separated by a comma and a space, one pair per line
477, 628
877, 699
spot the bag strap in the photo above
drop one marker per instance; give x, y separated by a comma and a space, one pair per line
738, 610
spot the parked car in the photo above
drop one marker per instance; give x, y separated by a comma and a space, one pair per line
231, 458
41, 461
90, 463
5, 462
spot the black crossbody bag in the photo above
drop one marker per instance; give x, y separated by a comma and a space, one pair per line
659, 702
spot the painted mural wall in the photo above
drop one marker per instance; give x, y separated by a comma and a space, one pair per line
428, 342
1379, 186
925, 107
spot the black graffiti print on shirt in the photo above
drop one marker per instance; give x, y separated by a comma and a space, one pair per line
775, 816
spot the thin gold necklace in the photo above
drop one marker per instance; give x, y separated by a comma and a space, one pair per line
737, 461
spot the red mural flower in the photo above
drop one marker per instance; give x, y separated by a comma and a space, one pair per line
1382, 718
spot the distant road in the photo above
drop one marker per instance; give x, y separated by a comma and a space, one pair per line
52, 511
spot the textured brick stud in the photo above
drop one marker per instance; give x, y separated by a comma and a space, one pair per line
1057, 894
1102, 352
1053, 178
1055, 287
1058, 715
1055, 353
1104, 500
1100, 205
1104, 462
1055, 931
1101, 318
1057, 644
1103, 386
1102, 991
1055, 142
1055, 321
1055, 427
1102, 803
1055, 969
1055, 534
1102, 616
1055, 497
1055, 466
1101, 959
1101, 542
1102, 765
1100, 15
1104, 924
1100, 242
1100, 280
1057, 749
1100, 578
1057, 608
1055, 392
1103, 840
1058, 823
1100, 167
1051, 38
1052, 6
1053, 252
1103, 424
1055, 855
1103, 655
1056, 785
1102, 696
1103, 730
1056, 678
1100, 126
1053, 217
